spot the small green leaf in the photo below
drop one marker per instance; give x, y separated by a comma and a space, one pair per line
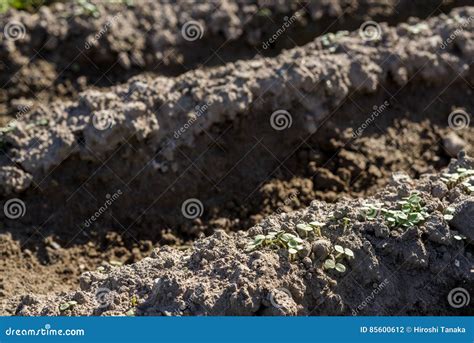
63, 307
316, 224
348, 252
298, 239
329, 264
450, 210
301, 226
402, 216
339, 249
340, 268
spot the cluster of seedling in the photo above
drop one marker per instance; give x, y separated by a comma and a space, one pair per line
410, 212
293, 244
285, 240
336, 257
276, 240
462, 176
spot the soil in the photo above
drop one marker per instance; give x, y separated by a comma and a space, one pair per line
218, 276
67, 49
208, 135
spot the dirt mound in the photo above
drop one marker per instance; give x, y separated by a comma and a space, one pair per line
218, 276
103, 179
67, 47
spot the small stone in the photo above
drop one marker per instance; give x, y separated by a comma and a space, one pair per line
308, 263
439, 190
321, 249
80, 297
453, 144
381, 231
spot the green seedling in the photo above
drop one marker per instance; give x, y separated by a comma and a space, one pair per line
264, 12
312, 227
336, 257
371, 212
88, 8
458, 236
67, 306
462, 176
448, 213
134, 301
410, 213
345, 223
276, 240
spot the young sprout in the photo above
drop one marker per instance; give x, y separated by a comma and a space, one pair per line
329, 264
334, 261
462, 176
317, 227
411, 213
348, 252
280, 239
134, 301
370, 212
305, 228
458, 236
66, 306
448, 213
314, 227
